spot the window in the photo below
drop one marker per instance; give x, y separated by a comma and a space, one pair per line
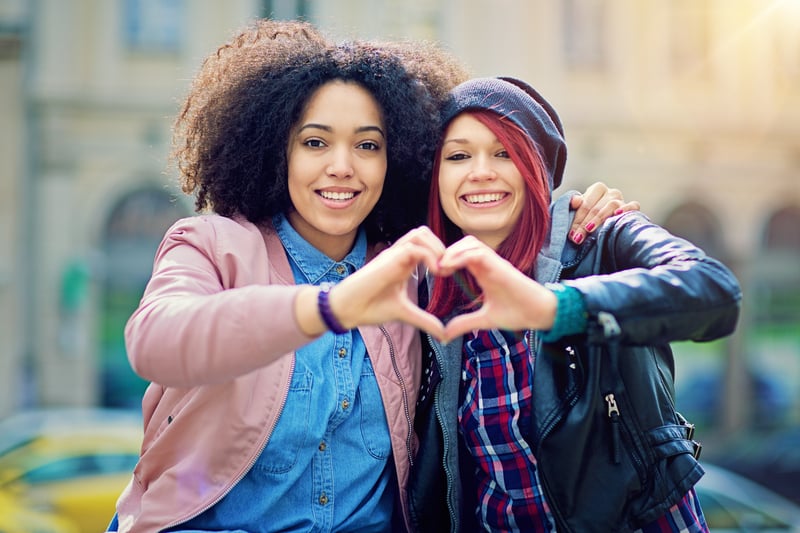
696, 223
689, 37
786, 42
134, 228
285, 9
153, 26
584, 33
68, 468
773, 301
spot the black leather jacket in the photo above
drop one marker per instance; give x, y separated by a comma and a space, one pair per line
613, 453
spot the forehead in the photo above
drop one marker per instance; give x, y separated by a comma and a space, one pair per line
467, 127
342, 102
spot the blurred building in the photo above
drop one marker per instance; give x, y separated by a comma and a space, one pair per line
691, 107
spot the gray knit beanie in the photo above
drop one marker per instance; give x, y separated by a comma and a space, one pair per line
519, 102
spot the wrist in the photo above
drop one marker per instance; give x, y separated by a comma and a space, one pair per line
326, 312
570, 318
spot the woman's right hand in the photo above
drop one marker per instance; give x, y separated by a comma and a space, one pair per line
379, 291
511, 300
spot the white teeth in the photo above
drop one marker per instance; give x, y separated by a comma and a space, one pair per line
484, 198
337, 195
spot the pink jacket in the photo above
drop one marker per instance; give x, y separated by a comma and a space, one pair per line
215, 336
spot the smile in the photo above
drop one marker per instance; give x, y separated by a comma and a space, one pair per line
338, 196
484, 198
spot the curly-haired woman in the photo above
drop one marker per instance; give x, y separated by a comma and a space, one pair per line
304, 157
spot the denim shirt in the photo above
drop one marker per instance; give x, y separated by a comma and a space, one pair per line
327, 465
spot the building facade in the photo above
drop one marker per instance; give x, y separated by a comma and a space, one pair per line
691, 107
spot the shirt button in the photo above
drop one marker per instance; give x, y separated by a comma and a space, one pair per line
345, 403
340, 269
322, 446
323, 499
342, 352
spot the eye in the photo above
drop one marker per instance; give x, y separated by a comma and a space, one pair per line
369, 145
458, 156
502, 154
314, 143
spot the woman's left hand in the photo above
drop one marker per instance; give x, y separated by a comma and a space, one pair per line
511, 300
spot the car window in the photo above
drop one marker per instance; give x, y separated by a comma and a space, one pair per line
80, 466
722, 512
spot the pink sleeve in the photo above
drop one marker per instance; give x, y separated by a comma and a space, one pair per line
211, 311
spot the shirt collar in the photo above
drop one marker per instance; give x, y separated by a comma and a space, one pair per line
312, 265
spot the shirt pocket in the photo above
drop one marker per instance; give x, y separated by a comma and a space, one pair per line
291, 431
374, 428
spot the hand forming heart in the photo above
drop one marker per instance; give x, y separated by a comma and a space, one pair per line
511, 300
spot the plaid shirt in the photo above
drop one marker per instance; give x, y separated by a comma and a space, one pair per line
494, 412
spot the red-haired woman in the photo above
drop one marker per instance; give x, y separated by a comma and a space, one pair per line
552, 408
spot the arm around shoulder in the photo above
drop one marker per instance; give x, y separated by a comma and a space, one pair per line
659, 287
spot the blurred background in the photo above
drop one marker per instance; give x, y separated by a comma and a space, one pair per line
691, 107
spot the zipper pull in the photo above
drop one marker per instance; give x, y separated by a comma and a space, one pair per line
613, 409
609, 323
613, 414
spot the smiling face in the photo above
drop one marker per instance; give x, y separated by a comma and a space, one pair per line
480, 188
337, 166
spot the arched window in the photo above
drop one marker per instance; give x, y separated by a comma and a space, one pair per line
782, 231
694, 222
700, 367
777, 271
774, 307
133, 230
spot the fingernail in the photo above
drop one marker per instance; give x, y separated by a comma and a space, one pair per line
590, 226
572, 234
619, 211
578, 238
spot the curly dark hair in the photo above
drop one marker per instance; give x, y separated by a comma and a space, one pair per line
231, 135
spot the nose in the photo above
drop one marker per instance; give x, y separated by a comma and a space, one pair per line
482, 169
341, 165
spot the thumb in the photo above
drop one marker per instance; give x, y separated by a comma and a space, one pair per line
463, 324
423, 320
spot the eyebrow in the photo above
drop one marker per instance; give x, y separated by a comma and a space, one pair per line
329, 129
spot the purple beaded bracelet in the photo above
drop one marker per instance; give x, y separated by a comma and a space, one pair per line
325, 310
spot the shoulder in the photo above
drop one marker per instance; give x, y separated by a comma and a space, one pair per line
215, 235
213, 229
630, 227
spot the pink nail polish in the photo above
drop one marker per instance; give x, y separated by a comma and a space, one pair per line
619, 211
578, 238
572, 234
590, 226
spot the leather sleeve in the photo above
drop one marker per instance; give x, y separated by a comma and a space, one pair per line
659, 287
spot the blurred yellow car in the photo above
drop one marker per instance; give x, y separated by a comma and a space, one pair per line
16, 518
69, 463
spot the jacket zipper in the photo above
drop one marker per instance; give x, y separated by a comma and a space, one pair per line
612, 331
450, 479
249, 465
410, 425
613, 415
561, 524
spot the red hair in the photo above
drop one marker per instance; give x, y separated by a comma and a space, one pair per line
527, 237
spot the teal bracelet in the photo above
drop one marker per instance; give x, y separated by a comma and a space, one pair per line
570, 313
